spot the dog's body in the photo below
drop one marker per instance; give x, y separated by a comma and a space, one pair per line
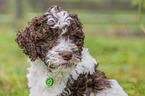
54, 44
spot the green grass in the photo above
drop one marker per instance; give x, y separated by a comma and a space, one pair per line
121, 58
13, 66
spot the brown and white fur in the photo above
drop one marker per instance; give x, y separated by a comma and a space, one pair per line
53, 43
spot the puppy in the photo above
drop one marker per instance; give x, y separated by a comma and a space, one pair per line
60, 65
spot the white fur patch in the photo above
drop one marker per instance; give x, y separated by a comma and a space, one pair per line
87, 65
37, 76
58, 19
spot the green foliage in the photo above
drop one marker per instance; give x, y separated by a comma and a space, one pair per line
136, 2
121, 58
141, 4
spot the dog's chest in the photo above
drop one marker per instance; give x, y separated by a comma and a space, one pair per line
37, 78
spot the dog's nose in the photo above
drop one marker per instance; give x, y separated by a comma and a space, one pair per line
67, 55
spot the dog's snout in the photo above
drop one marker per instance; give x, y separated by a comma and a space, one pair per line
67, 55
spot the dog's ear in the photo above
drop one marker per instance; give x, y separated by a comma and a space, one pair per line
33, 39
76, 32
26, 42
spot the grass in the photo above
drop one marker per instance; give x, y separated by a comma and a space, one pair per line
121, 58
13, 66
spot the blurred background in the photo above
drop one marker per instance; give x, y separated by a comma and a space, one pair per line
113, 35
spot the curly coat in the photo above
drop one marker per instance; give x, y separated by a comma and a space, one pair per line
42, 35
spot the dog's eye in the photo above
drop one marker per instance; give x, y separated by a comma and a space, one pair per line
49, 38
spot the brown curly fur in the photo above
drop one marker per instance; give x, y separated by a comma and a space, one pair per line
86, 83
38, 37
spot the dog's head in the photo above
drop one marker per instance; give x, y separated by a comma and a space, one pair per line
55, 37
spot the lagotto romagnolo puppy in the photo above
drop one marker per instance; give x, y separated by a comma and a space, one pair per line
60, 65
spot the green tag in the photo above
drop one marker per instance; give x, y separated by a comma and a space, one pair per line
49, 81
